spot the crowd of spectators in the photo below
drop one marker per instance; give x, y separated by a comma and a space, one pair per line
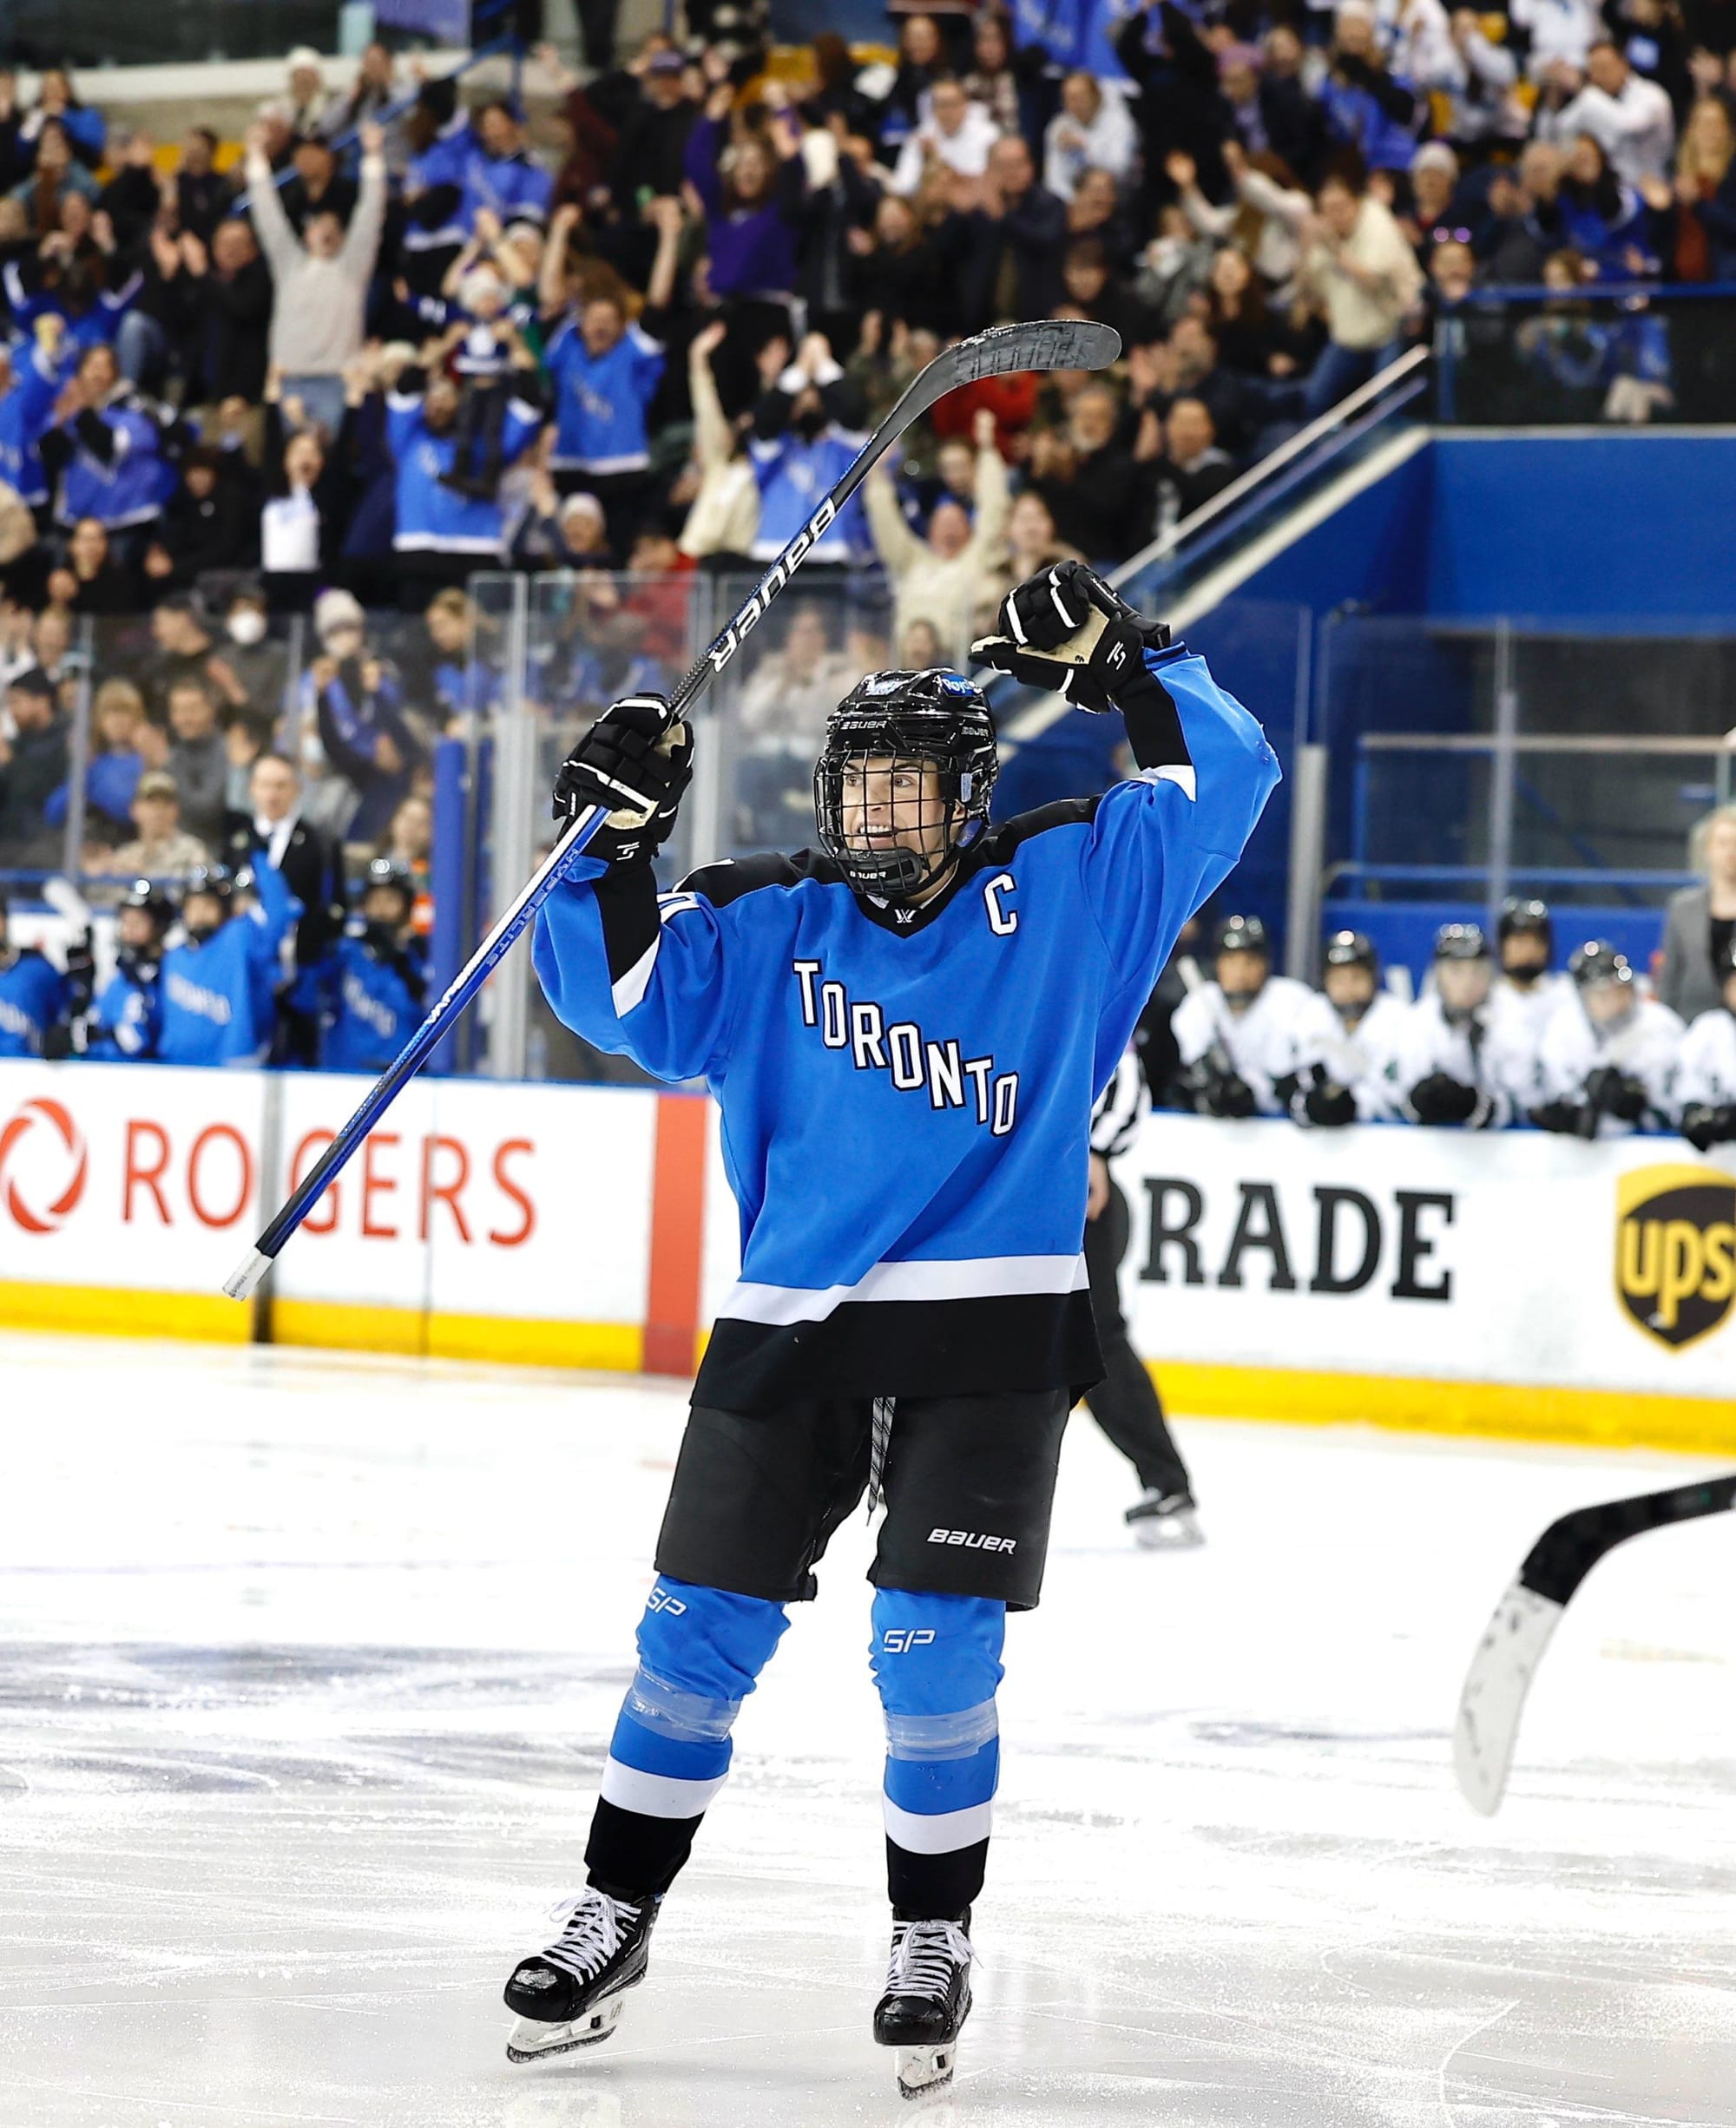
267, 406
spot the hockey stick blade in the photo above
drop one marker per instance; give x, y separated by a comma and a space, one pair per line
1525, 1619
1045, 343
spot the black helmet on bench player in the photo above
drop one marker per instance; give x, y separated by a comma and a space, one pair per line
892, 720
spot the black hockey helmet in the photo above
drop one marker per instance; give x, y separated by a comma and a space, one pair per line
1243, 935
1597, 963
213, 879
1352, 949
1525, 917
388, 872
1461, 941
145, 895
934, 716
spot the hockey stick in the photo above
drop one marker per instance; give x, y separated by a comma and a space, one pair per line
1047, 344
1504, 1665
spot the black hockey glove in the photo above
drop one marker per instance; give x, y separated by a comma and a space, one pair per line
1229, 1095
1704, 1126
637, 764
1612, 1093
1066, 630
81, 972
1439, 1099
1330, 1107
1567, 1118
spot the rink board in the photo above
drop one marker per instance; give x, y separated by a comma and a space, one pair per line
1515, 1284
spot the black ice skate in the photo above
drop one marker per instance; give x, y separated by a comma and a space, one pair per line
1165, 1522
927, 2001
571, 1994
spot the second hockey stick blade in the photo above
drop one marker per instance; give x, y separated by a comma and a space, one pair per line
1525, 1619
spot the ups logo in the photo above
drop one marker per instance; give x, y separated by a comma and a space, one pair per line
1675, 1250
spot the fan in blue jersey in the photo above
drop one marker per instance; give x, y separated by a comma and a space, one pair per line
217, 984
905, 1032
33, 995
374, 977
127, 1017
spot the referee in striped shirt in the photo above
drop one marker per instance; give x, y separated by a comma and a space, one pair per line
1125, 1403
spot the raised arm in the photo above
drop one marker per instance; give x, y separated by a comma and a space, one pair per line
278, 240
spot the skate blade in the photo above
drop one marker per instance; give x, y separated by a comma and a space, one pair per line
530, 2041
1168, 1533
925, 2071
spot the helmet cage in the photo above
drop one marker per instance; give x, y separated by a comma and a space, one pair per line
933, 718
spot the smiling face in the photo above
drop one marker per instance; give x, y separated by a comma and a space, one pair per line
890, 804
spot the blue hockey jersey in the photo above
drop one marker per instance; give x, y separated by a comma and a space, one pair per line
127, 1017
126, 489
33, 995
906, 1094
23, 418
794, 476
601, 401
375, 1003
433, 518
216, 999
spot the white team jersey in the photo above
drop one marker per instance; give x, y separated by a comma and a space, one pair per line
1645, 1046
1365, 1059
1277, 1035
1538, 1004
1494, 1051
1706, 1067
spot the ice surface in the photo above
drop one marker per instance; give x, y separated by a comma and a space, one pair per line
307, 1666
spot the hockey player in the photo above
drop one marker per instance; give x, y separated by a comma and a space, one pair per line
1705, 1071
1608, 1062
33, 995
905, 1032
1363, 1037
1466, 1057
1525, 938
1248, 1039
127, 1015
375, 976
1125, 1403
216, 987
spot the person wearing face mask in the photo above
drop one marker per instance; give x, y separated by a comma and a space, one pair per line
126, 1016
261, 665
1248, 1040
1467, 1056
1608, 1062
375, 977
216, 985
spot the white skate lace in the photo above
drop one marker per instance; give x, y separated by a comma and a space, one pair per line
590, 1923
926, 1957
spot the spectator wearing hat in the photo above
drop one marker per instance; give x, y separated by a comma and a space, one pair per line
649, 155
321, 280
358, 703
306, 102
163, 848
33, 764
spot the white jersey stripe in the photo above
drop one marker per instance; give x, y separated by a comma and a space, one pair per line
943, 1834
984, 1277
657, 1795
